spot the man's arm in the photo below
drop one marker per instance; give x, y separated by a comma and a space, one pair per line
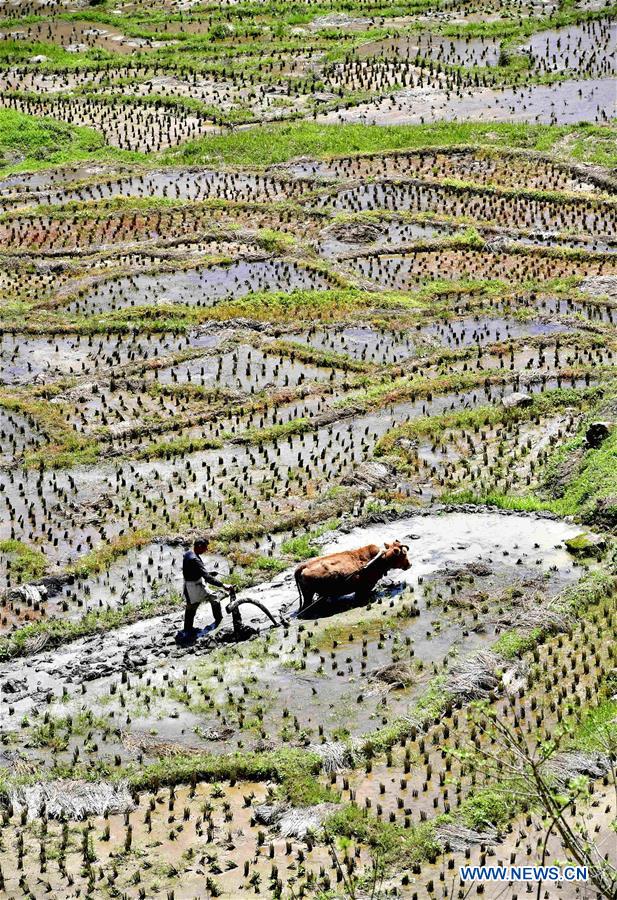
209, 577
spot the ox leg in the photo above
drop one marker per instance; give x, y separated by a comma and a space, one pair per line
362, 597
307, 598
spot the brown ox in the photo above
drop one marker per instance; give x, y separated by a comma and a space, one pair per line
349, 572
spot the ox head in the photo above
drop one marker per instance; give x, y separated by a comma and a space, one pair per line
396, 554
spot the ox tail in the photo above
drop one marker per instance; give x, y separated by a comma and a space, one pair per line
298, 576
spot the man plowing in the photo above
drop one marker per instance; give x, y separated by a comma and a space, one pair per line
196, 581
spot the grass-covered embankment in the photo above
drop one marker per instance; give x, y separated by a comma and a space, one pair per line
39, 142
279, 143
577, 481
33, 142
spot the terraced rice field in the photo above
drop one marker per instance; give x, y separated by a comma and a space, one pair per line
226, 309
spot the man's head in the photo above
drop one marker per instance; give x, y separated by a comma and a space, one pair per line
200, 545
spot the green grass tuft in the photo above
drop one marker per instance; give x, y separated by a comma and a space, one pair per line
25, 562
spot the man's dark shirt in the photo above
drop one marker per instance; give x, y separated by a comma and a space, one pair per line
193, 569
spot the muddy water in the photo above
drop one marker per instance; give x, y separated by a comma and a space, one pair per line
479, 166
216, 428
530, 359
410, 271
223, 94
544, 304
591, 311
489, 10
17, 434
564, 103
363, 343
386, 234
144, 574
443, 200
471, 462
245, 369
147, 127
35, 181
438, 544
390, 347
459, 538
542, 239
479, 330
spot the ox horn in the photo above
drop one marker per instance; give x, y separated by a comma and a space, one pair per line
405, 547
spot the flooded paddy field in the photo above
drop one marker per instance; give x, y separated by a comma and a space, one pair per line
171, 184
449, 542
201, 287
213, 483
77, 37
473, 11
297, 341
223, 96
553, 104
363, 343
451, 51
172, 75
488, 167
342, 238
17, 433
140, 711
408, 272
225, 374
178, 227
146, 128
591, 47
36, 360
481, 206
383, 347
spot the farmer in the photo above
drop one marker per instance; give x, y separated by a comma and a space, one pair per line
196, 579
